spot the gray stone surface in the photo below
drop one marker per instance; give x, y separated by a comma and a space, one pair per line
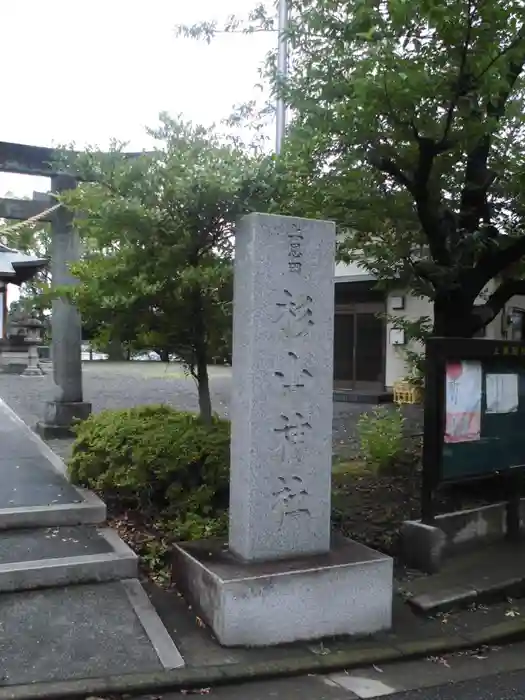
35, 490
422, 546
282, 387
33, 482
467, 578
168, 654
77, 632
302, 688
67, 571
33, 368
427, 547
89, 510
491, 673
60, 417
121, 385
65, 319
12, 446
82, 630
51, 543
345, 592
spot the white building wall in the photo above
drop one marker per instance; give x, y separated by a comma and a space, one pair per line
415, 308
352, 269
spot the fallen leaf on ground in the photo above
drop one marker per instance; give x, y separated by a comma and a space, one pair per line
320, 650
196, 691
439, 660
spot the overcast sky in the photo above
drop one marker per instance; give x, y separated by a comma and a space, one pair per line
91, 71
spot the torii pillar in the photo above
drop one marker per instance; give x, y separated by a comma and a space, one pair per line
68, 405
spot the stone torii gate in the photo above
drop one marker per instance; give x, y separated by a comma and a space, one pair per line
67, 405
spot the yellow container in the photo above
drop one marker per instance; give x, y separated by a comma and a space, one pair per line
406, 393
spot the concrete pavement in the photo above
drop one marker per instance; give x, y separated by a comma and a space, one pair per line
71, 606
116, 385
411, 636
496, 673
505, 686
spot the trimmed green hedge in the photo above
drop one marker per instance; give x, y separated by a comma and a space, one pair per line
154, 457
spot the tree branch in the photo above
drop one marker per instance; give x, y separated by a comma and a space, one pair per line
474, 205
460, 83
493, 262
427, 205
390, 167
513, 44
425, 278
410, 125
490, 309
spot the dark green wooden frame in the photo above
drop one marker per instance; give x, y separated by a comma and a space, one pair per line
496, 355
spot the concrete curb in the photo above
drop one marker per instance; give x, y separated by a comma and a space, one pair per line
119, 563
88, 510
169, 655
231, 674
65, 571
460, 597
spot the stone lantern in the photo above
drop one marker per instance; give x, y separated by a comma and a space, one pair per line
32, 338
17, 268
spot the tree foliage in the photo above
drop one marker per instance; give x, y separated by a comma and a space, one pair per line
407, 130
160, 231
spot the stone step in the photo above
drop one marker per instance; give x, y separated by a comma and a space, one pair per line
84, 508
84, 631
59, 556
486, 574
36, 491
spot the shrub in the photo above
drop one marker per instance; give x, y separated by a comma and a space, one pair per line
155, 457
381, 437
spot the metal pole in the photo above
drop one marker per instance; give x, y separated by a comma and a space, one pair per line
282, 72
3, 310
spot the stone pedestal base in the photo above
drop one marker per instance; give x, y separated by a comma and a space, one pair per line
33, 368
33, 372
345, 592
13, 361
59, 418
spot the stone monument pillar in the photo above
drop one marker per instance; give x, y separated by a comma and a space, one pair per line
282, 577
281, 450
66, 331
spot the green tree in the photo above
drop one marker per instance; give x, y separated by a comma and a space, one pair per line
408, 130
160, 228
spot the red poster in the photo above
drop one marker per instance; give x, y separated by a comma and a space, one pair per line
463, 401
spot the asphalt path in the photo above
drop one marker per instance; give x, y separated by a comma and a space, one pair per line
503, 686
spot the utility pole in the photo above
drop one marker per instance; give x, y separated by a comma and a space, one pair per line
282, 72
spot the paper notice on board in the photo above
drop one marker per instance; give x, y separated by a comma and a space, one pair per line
463, 401
502, 393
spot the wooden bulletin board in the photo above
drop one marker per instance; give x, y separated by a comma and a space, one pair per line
474, 412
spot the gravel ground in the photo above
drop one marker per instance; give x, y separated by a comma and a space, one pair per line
121, 385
